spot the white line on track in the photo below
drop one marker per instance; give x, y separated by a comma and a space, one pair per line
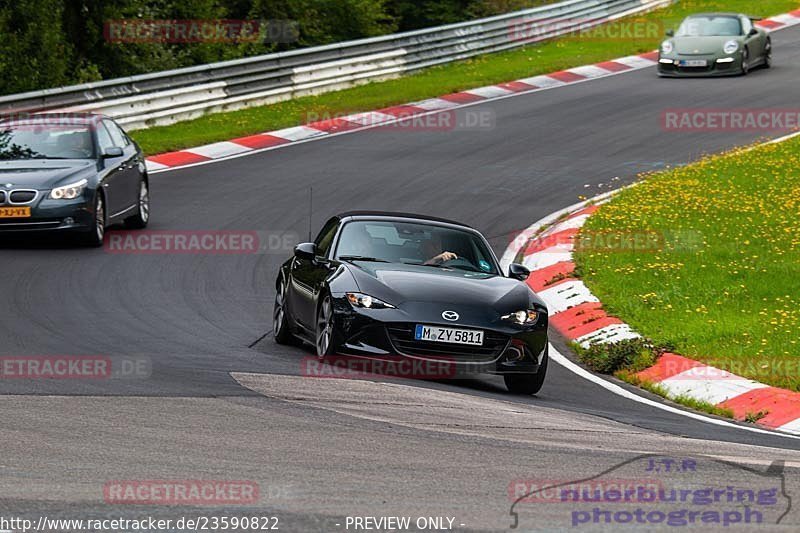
637, 63
323, 135
556, 356
517, 244
509, 255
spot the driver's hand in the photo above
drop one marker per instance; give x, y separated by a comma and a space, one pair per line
443, 257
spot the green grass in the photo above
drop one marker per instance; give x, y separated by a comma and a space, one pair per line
722, 285
485, 70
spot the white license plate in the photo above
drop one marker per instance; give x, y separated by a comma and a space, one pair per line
450, 335
693, 63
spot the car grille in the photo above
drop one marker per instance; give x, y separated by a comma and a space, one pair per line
21, 197
39, 225
2, 197
402, 338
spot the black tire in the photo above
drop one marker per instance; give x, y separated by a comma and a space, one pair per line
325, 331
142, 216
280, 323
94, 236
527, 384
745, 62
768, 54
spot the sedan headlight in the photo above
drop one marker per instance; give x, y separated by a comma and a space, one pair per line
365, 301
69, 192
523, 318
667, 47
730, 47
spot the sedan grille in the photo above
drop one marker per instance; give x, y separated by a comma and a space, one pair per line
2, 197
21, 197
402, 337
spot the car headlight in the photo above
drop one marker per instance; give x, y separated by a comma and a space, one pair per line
523, 318
667, 47
730, 47
365, 301
69, 192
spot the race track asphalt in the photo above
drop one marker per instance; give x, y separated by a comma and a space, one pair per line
198, 319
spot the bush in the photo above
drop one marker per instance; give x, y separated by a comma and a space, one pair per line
630, 355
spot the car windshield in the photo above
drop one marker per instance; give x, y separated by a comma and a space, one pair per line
415, 244
21, 140
710, 27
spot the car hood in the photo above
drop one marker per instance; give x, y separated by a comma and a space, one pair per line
41, 173
402, 284
701, 45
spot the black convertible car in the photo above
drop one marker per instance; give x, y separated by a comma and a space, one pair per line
75, 173
378, 285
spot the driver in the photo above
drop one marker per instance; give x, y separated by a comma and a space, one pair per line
75, 143
432, 248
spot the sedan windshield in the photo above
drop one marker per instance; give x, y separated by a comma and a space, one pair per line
415, 244
708, 26
33, 141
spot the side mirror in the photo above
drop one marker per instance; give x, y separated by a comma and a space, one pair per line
670, 33
114, 151
517, 271
753, 32
306, 250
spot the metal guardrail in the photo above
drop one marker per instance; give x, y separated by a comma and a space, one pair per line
166, 97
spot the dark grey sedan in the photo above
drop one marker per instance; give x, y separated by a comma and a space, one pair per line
73, 173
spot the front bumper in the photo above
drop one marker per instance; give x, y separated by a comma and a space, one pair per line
386, 335
716, 66
49, 215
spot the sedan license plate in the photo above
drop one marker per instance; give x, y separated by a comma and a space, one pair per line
693, 63
15, 212
451, 335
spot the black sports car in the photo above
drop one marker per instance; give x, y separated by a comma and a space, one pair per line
76, 173
379, 285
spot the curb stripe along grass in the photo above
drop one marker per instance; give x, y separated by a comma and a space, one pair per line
179, 133
390, 115
578, 315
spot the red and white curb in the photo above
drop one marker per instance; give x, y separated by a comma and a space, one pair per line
399, 113
382, 117
778, 22
546, 248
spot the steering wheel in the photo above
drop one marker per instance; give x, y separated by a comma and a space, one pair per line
458, 261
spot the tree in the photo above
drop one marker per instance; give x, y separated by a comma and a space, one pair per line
328, 21
48, 43
33, 50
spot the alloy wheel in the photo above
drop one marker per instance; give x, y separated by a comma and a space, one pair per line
278, 314
144, 202
100, 219
324, 328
